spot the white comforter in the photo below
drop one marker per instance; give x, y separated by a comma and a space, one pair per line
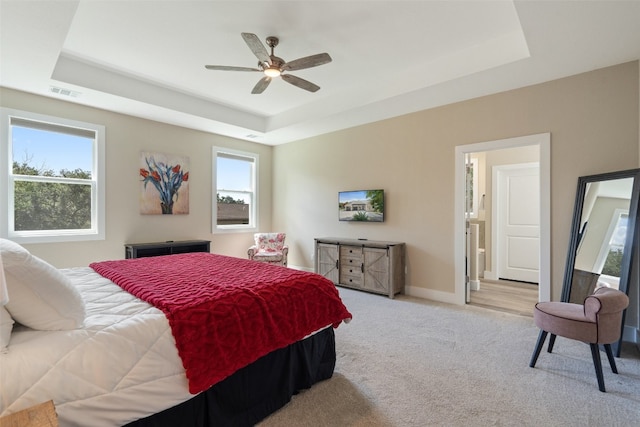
122, 366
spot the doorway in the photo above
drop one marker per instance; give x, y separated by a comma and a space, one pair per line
542, 142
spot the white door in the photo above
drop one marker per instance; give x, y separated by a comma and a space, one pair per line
518, 222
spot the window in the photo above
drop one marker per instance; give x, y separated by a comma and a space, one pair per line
51, 178
610, 258
236, 200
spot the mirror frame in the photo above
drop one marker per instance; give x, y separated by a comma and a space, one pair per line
633, 227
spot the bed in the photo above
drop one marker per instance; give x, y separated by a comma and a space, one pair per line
148, 360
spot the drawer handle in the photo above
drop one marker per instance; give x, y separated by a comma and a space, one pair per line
362, 268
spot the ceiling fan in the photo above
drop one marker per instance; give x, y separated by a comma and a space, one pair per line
272, 66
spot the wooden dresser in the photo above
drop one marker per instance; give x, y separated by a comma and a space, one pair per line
368, 265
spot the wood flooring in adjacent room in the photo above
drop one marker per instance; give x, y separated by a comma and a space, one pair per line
503, 295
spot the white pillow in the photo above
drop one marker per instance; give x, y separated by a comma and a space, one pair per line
12, 253
40, 296
6, 325
4, 294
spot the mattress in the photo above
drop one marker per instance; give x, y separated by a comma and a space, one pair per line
78, 370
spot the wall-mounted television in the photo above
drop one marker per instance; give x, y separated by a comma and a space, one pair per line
361, 206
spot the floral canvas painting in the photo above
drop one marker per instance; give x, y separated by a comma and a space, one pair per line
164, 182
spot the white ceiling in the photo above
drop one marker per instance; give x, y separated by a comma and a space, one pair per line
146, 58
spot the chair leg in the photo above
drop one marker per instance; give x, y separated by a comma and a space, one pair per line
552, 341
595, 354
536, 352
612, 361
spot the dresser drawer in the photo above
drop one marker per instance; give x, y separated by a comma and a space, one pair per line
352, 279
351, 256
351, 251
351, 259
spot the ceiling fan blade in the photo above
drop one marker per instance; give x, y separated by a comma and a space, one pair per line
257, 47
229, 68
307, 62
301, 83
261, 85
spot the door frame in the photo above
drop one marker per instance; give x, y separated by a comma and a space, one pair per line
543, 141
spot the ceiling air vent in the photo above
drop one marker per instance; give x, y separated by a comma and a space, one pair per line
64, 92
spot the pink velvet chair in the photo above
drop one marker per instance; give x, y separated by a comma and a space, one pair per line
269, 247
597, 322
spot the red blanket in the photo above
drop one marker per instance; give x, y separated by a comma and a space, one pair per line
225, 312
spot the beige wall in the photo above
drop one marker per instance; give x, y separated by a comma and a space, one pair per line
126, 137
593, 119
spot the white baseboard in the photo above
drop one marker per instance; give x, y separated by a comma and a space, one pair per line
446, 297
490, 276
631, 334
413, 291
307, 269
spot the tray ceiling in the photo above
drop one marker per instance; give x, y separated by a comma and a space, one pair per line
146, 58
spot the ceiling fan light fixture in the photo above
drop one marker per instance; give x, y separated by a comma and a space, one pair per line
273, 66
272, 72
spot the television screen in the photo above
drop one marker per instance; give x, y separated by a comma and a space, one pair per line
362, 205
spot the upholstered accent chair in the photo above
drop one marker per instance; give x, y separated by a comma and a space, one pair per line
597, 322
269, 247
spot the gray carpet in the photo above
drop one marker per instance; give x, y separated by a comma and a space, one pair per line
411, 362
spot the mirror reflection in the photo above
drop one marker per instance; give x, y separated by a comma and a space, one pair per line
601, 237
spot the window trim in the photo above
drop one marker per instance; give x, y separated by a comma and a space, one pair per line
254, 217
98, 206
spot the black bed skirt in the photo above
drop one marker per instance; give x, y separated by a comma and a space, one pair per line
255, 391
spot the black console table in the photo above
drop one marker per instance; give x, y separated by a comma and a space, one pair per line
170, 247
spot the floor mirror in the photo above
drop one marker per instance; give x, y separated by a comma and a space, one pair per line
603, 236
